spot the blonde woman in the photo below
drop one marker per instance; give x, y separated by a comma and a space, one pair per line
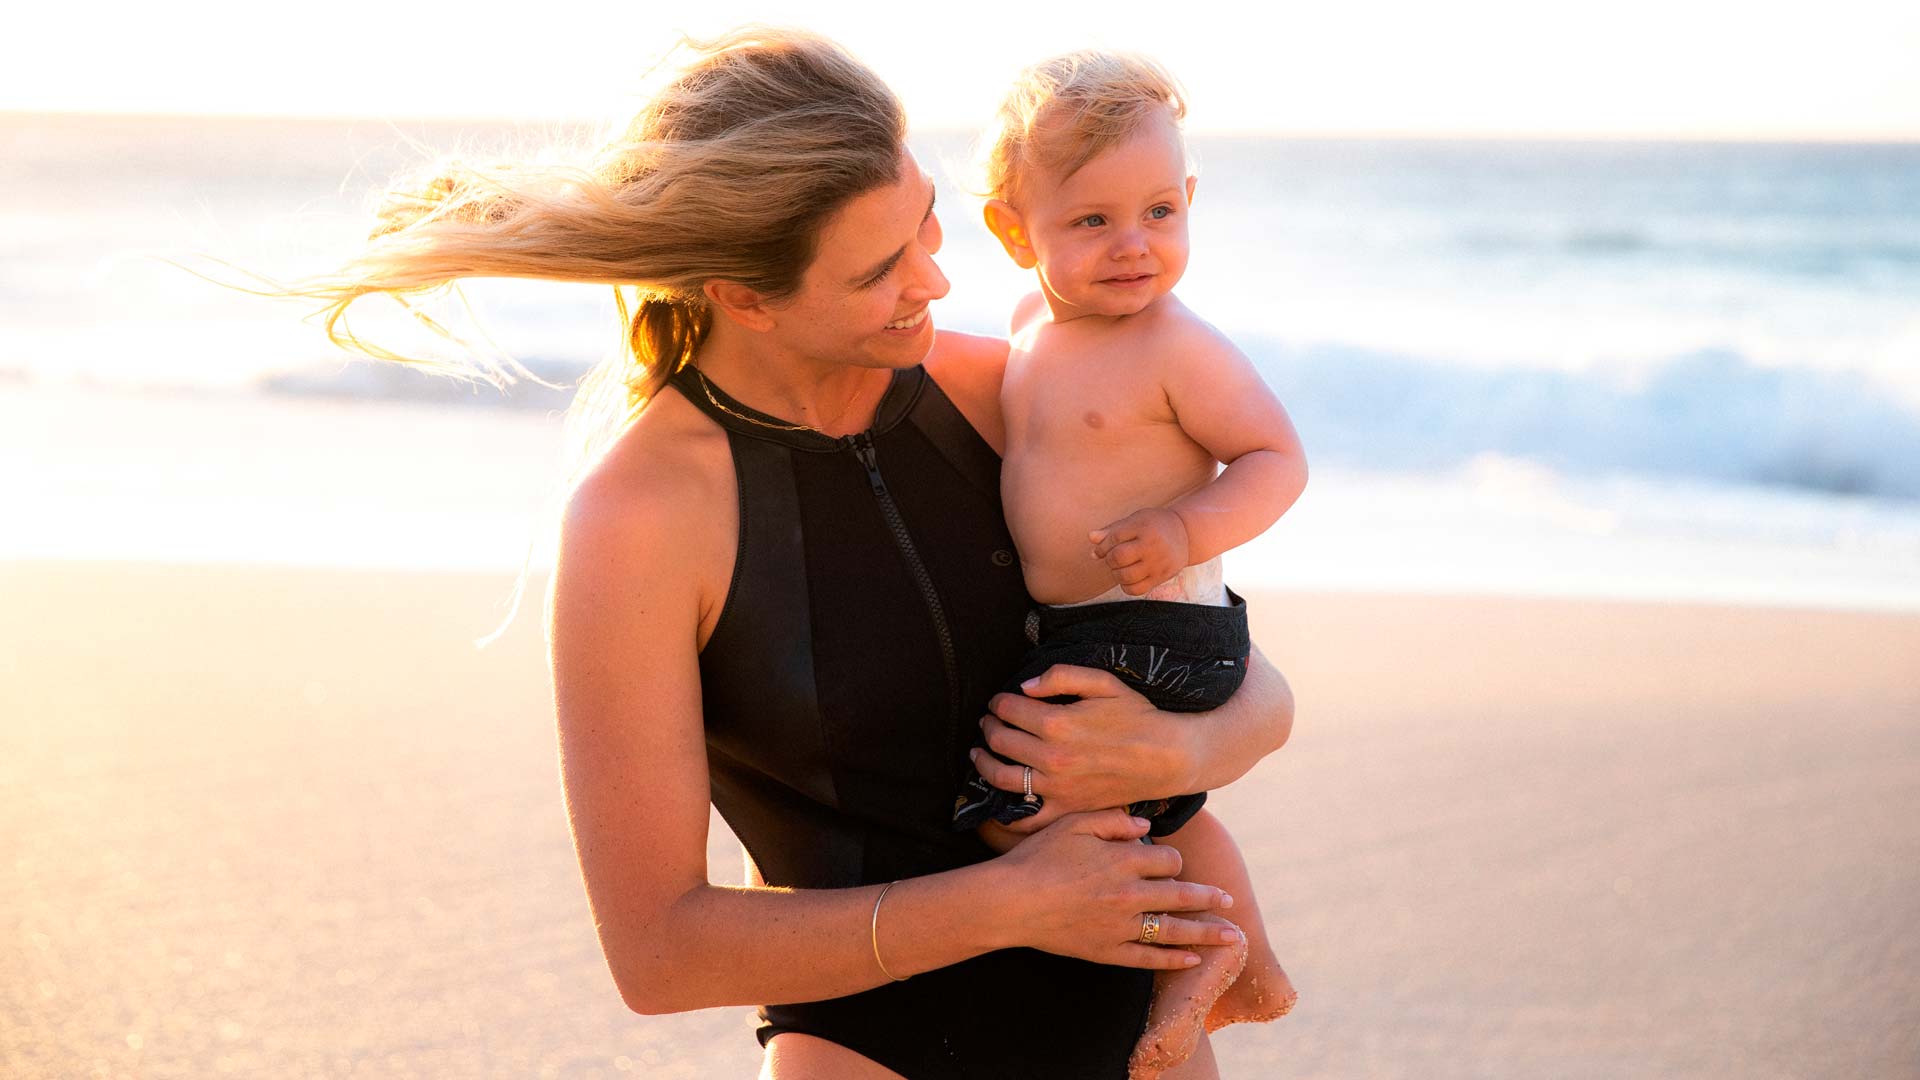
785, 586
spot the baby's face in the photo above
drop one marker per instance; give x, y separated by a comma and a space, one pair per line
1112, 238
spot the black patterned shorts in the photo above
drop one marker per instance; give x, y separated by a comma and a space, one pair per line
1181, 657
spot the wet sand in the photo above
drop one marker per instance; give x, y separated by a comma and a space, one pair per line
265, 821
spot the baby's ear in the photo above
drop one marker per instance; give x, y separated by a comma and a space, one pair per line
1191, 181
1006, 223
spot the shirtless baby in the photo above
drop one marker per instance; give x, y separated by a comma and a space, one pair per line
1121, 405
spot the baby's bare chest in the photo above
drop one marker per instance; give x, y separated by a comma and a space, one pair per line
1055, 396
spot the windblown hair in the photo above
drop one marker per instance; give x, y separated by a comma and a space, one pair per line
1063, 111
730, 172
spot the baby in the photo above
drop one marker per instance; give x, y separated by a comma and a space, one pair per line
1120, 404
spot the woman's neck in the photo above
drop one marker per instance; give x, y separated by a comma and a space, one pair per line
833, 398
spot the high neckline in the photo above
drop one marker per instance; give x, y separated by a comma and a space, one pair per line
737, 416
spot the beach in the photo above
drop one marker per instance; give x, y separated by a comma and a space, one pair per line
274, 820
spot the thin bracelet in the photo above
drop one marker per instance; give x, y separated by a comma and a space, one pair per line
876, 934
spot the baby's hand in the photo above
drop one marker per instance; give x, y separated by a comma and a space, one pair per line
1144, 549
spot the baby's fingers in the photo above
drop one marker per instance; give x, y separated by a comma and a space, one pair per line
1105, 540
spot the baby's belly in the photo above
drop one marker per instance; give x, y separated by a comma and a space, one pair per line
1050, 511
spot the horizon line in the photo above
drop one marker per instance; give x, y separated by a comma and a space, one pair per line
1299, 133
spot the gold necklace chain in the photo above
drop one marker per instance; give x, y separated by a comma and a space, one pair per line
707, 388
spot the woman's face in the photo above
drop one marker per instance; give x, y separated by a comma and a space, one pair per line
864, 300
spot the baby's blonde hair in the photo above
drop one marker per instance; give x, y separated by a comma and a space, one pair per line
1063, 111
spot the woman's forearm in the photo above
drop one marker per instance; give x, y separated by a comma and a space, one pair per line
729, 945
1222, 745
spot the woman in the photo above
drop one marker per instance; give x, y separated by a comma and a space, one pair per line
785, 586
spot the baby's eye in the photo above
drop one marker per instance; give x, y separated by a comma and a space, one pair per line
1160, 212
1094, 220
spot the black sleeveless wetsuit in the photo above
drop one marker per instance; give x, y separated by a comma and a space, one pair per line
876, 604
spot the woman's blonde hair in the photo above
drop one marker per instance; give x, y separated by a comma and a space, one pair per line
1063, 111
729, 171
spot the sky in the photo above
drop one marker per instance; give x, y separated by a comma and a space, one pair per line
1630, 68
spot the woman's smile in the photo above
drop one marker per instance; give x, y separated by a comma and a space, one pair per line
911, 324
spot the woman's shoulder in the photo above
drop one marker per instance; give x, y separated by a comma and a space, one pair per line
659, 504
970, 369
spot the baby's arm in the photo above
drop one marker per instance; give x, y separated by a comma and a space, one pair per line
1221, 403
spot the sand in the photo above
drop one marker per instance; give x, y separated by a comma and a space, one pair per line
266, 821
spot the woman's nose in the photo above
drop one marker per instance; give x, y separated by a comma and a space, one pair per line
929, 282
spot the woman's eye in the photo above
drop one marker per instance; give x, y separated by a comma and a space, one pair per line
881, 276
1094, 220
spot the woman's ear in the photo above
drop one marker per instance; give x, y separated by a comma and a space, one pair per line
740, 304
1006, 223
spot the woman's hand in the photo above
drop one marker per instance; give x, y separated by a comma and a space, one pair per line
1113, 748
1082, 886
1108, 749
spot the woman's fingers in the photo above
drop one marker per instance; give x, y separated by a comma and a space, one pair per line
1153, 957
1177, 931
1000, 774
1068, 679
1114, 824
1015, 745
1166, 894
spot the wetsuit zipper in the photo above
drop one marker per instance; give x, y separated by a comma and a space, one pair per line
862, 445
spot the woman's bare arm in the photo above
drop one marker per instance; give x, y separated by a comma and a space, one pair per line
628, 599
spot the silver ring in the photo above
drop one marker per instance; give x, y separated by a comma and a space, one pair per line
1026, 784
1149, 928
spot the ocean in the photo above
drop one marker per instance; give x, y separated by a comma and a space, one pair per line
1650, 370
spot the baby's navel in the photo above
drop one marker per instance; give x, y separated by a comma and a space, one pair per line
1094, 419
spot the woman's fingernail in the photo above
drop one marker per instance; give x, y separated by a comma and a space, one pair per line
974, 756
1142, 822
1229, 936
1226, 899
1190, 960
1030, 683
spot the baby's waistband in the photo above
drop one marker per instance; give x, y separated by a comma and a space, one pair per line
1198, 629
1200, 584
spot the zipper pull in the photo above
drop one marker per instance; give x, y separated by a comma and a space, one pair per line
863, 449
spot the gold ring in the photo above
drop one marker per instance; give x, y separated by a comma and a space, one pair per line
1149, 928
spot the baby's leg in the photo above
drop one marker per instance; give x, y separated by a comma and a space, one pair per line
1208, 854
1245, 983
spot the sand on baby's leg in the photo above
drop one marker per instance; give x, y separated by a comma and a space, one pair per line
1209, 854
1229, 986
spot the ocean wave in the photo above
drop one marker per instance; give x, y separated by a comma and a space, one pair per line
1710, 414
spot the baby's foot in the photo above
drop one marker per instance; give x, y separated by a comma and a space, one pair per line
1261, 993
1181, 1000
